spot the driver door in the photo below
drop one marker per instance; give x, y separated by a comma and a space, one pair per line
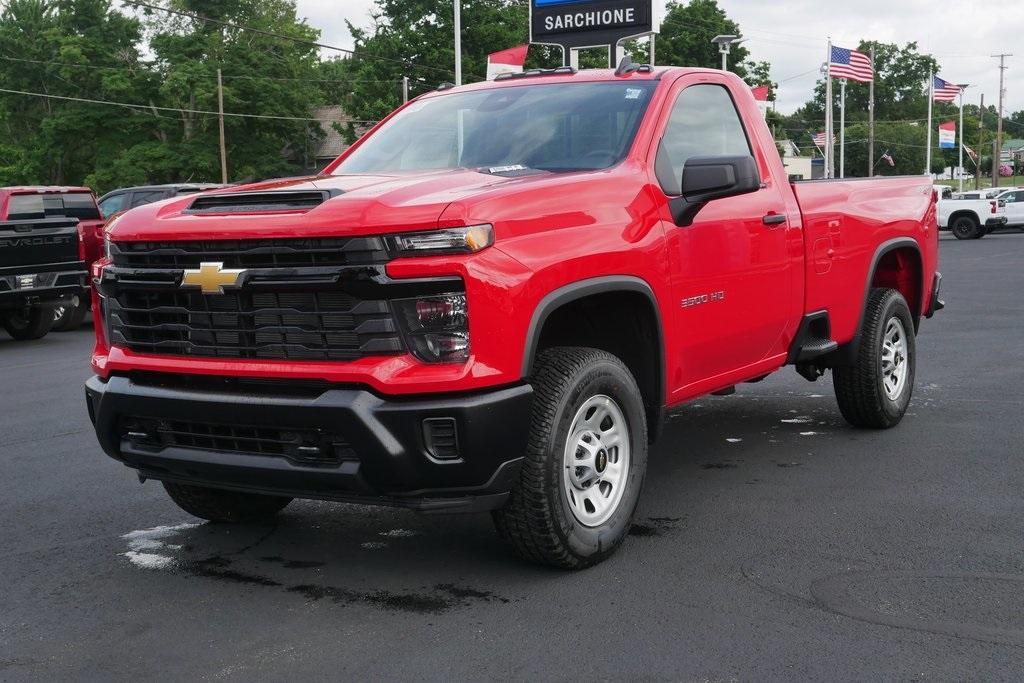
732, 274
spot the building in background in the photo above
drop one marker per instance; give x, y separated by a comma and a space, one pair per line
333, 143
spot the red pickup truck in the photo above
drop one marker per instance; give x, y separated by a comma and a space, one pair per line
490, 300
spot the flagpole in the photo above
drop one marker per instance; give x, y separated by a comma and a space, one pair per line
962, 139
830, 162
871, 117
931, 99
842, 128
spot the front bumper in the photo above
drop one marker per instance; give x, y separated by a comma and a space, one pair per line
364, 448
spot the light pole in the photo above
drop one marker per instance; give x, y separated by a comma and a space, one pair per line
458, 42
725, 44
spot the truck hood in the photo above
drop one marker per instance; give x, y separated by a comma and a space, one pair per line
383, 203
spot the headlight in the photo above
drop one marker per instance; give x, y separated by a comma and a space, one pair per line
436, 327
444, 241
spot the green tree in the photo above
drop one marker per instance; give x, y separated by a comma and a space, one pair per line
686, 33
272, 80
413, 38
64, 48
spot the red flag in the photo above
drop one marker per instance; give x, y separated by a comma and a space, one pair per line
761, 93
508, 61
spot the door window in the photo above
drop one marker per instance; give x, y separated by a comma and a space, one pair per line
704, 122
146, 197
113, 204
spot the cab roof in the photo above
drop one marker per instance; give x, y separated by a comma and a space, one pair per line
42, 189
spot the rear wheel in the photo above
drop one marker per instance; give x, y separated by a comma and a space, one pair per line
69, 315
966, 228
28, 323
875, 391
218, 505
585, 463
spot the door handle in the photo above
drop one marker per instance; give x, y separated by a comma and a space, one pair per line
773, 219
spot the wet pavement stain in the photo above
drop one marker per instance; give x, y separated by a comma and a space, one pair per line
719, 466
654, 526
293, 564
225, 568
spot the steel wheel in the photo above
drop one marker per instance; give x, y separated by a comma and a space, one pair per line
894, 359
596, 461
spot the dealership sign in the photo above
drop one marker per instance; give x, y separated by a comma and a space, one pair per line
589, 23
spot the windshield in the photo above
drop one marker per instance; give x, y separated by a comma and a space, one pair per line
553, 127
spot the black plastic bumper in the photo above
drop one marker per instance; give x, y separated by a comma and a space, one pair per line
388, 455
996, 222
51, 284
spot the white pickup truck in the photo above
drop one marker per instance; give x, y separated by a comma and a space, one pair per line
969, 219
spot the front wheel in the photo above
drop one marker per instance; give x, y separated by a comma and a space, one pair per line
29, 323
875, 391
585, 463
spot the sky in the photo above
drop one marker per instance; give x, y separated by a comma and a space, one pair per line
962, 36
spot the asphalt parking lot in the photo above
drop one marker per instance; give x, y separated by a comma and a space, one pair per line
772, 542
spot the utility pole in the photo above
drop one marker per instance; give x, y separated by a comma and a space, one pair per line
981, 143
871, 118
405, 89
220, 113
458, 42
999, 125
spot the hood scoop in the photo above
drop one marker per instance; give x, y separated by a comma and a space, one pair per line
259, 202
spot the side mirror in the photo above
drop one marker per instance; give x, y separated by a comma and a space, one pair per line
706, 179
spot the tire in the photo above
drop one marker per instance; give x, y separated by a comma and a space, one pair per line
875, 391
966, 228
218, 505
69, 316
547, 519
28, 324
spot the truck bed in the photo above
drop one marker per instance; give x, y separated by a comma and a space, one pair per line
846, 223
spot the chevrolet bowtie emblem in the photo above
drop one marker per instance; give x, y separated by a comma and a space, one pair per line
212, 278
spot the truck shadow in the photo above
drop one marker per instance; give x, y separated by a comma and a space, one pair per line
396, 560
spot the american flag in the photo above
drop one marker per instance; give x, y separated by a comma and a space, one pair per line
971, 153
946, 91
820, 140
850, 64
887, 158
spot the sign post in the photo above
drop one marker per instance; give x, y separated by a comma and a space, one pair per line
578, 24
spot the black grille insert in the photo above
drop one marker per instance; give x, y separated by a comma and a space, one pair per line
317, 325
269, 253
305, 447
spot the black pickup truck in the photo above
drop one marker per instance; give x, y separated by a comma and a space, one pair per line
41, 266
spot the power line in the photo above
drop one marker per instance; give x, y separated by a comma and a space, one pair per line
155, 108
281, 36
146, 66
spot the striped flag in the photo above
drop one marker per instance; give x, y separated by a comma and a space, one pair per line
946, 91
820, 140
971, 153
887, 158
850, 64
508, 61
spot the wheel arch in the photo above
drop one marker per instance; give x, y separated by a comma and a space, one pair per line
897, 264
963, 213
632, 297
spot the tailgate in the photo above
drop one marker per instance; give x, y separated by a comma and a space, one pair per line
39, 242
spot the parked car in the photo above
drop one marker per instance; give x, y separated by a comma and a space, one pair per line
970, 218
490, 300
130, 197
1013, 200
79, 203
41, 267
